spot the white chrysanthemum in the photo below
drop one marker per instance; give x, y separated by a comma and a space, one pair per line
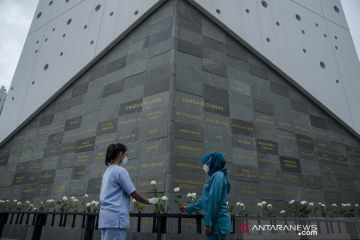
269, 205
88, 204
311, 204
263, 202
86, 195
75, 200
323, 205
133, 200
27, 202
15, 200
282, 211
34, 209
238, 203
153, 182
164, 198
194, 194
65, 198
177, 189
334, 204
303, 202
356, 205
189, 195
72, 198
259, 204
19, 203
291, 201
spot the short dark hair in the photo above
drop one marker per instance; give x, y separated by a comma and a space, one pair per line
113, 150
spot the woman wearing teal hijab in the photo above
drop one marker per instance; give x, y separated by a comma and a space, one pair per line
214, 197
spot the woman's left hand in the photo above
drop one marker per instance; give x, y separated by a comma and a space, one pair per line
207, 230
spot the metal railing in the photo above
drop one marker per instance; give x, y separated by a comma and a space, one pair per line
89, 221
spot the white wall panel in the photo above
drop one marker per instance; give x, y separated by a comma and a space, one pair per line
46, 36
287, 41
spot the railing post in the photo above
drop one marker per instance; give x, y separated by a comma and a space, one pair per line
3, 220
40, 221
89, 227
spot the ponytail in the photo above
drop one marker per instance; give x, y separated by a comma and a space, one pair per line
112, 152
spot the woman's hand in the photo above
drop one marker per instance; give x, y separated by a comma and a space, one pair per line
207, 230
183, 209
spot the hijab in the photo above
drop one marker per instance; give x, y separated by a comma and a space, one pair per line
216, 162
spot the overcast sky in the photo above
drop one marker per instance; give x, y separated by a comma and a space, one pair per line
16, 17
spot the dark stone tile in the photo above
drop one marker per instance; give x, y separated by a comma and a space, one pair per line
19, 178
97, 71
215, 56
62, 105
242, 141
242, 127
259, 71
304, 141
78, 172
263, 107
66, 147
213, 44
312, 181
214, 67
237, 51
188, 131
318, 122
186, 11
32, 178
4, 160
290, 164
299, 106
72, 123
46, 120
22, 167
187, 148
47, 176
162, 71
76, 101
107, 126
266, 146
86, 144
131, 107
213, 106
94, 186
160, 36
35, 165
116, 65
157, 86
188, 47
189, 25
279, 89
325, 157
80, 89
112, 88
216, 93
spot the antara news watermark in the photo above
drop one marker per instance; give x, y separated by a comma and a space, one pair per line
302, 230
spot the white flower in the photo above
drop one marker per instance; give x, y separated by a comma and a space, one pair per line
194, 194
72, 198
323, 205
27, 202
319, 203
263, 202
259, 204
242, 204
303, 202
291, 202
19, 203
164, 198
86, 196
177, 189
188, 195
153, 182
334, 205
269, 205
311, 204
282, 211
65, 198
75, 200
41, 202
238, 203
15, 200
356, 205
35, 209
88, 204
134, 200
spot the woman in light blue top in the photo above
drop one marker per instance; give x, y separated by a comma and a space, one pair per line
115, 192
214, 197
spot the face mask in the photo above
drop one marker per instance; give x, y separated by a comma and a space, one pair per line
206, 168
124, 161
